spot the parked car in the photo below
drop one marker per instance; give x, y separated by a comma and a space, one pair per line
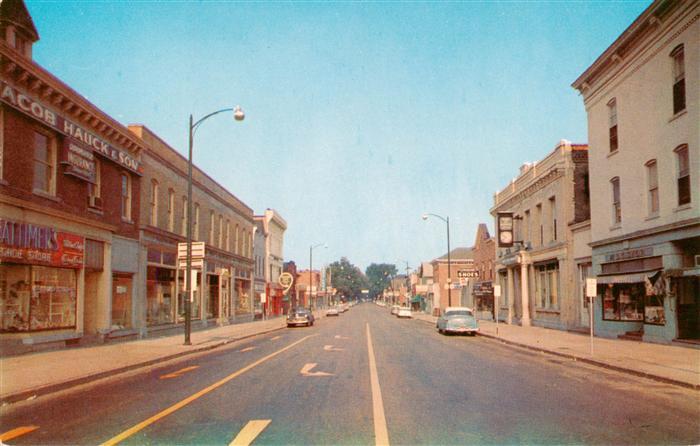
333, 311
404, 312
300, 316
394, 309
457, 320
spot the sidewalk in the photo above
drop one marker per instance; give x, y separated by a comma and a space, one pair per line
35, 374
667, 363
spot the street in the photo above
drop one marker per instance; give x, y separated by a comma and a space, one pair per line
314, 386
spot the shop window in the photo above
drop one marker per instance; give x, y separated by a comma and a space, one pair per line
547, 285
44, 163
34, 298
616, 207
160, 292
683, 180
623, 301
653, 187
126, 196
121, 302
612, 124
678, 79
153, 203
171, 210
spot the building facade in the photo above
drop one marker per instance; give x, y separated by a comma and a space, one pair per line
223, 281
481, 286
273, 228
641, 96
448, 291
70, 179
536, 275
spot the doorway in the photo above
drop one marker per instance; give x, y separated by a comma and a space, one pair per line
688, 292
213, 301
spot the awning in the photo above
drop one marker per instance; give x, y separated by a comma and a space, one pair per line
625, 278
415, 299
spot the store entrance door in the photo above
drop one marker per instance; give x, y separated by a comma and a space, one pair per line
688, 307
213, 301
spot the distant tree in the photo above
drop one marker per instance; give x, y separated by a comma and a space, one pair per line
347, 279
379, 276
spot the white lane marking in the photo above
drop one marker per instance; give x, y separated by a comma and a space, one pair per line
247, 349
250, 432
381, 434
306, 370
341, 337
330, 348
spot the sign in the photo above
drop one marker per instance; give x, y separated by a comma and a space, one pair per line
79, 162
196, 264
591, 287
286, 280
497, 291
263, 298
468, 274
40, 245
505, 229
37, 110
365, 291
482, 289
197, 251
630, 254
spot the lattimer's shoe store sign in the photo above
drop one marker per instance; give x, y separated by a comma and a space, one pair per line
39, 245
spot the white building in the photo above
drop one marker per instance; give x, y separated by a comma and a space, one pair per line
272, 226
641, 96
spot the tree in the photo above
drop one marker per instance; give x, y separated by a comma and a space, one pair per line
347, 279
379, 277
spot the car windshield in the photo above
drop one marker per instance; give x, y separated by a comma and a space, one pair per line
458, 313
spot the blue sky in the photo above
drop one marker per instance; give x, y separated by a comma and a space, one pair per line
360, 117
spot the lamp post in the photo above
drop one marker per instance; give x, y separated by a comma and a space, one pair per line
449, 263
311, 266
238, 115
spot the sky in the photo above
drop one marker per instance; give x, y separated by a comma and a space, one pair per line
360, 116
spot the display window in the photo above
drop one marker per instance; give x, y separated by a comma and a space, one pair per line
197, 298
160, 289
623, 301
121, 301
243, 301
35, 298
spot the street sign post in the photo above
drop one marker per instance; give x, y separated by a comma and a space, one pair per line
591, 292
496, 295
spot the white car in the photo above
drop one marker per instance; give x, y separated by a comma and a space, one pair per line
333, 311
404, 312
394, 309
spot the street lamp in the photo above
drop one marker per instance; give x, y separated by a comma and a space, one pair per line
449, 263
311, 263
238, 115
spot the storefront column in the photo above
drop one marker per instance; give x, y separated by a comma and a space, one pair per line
511, 295
524, 293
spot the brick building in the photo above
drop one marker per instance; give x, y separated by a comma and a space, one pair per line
70, 180
484, 254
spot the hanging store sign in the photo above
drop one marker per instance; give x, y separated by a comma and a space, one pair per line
79, 162
39, 245
505, 229
29, 106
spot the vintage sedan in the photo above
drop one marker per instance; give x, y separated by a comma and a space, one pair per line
458, 320
404, 312
333, 311
300, 316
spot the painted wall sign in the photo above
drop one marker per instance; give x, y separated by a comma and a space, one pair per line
39, 245
630, 254
37, 110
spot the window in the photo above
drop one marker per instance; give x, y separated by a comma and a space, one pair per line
528, 222
227, 240
683, 175
221, 231
95, 189
126, 196
653, 187
44, 163
154, 203
195, 223
548, 286
171, 210
553, 215
237, 243
539, 222
623, 301
183, 230
612, 124
678, 79
616, 208
2, 139
211, 228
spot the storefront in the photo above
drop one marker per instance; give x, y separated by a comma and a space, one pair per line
160, 284
483, 299
40, 271
242, 289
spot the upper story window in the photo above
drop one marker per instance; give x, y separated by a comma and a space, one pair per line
612, 124
211, 228
95, 189
126, 196
652, 187
553, 216
237, 243
44, 163
539, 222
185, 209
195, 223
221, 231
678, 79
683, 175
154, 203
171, 210
528, 223
2, 140
227, 236
616, 206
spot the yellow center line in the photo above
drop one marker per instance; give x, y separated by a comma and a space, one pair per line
131, 431
14, 433
250, 432
179, 372
381, 434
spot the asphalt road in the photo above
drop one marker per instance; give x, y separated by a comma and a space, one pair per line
315, 386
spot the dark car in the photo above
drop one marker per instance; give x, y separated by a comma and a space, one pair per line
300, 316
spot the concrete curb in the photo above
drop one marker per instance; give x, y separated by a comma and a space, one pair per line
590, 361
56, 387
